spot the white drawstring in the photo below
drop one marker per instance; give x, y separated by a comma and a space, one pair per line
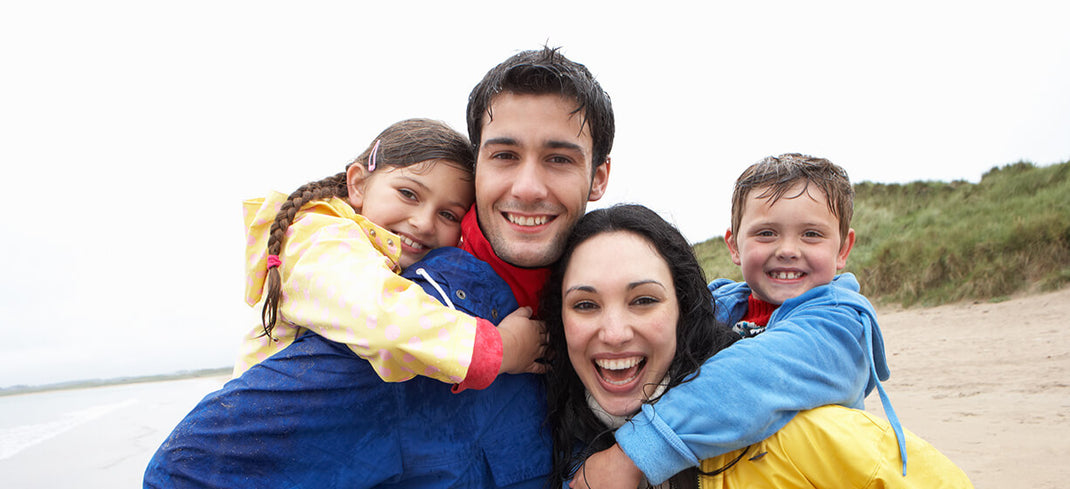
423, 273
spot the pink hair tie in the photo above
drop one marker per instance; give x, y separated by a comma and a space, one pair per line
273, 261
371, 157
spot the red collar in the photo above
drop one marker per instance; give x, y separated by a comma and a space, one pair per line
526, 283
758, 311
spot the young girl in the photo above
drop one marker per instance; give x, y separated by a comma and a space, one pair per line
325, 259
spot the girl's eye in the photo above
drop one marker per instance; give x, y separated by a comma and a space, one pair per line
407, 194
449, 216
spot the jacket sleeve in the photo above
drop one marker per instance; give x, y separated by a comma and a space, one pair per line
813, 357
336, 285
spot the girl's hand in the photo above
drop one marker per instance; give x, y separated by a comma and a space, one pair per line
523, 343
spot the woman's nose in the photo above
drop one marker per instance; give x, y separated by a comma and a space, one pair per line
616, 328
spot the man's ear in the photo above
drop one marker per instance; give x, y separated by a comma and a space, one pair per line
845, 249
733, 250
356, 177
599, 181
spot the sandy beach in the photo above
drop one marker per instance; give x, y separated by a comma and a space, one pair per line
986, 383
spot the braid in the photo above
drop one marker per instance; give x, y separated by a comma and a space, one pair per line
333, 186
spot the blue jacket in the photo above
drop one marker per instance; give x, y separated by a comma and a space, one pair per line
823, 347
317, 416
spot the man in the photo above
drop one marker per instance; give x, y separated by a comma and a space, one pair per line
315, 415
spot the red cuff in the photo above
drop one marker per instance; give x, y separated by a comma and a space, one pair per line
486, 358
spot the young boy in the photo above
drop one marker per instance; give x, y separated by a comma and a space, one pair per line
812, 338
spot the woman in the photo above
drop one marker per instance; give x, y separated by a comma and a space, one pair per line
629, 316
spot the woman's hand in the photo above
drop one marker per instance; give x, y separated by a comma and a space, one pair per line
523, 343
609, 469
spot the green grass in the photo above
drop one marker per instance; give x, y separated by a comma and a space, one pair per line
930, 243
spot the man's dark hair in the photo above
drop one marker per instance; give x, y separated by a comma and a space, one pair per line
540, 72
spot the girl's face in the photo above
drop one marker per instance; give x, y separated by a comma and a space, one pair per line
620, 311
421, 203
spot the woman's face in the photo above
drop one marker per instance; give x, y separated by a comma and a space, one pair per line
620, 311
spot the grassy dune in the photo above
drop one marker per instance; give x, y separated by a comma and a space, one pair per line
930, 243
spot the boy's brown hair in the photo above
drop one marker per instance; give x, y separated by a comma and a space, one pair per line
778, 174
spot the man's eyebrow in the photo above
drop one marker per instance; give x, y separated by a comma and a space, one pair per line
501, 141
565, 145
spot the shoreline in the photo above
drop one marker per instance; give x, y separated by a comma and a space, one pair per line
15, 390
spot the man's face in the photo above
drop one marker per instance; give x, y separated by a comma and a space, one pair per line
533, 176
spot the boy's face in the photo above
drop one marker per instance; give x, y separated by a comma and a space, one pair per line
789, 247
533, 176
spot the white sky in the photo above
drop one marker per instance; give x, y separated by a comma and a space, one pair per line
130, 131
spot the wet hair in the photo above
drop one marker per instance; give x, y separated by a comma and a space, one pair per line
698, 333
541, 72
405, 143
778, 174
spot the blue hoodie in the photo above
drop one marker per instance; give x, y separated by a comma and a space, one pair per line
823, 347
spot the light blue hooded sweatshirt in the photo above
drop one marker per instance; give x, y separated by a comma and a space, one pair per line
822, 347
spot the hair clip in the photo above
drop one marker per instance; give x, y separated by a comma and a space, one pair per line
273, 261
371, 157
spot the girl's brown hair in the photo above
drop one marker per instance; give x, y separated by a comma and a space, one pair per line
404, 143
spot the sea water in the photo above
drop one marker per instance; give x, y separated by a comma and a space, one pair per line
94, 437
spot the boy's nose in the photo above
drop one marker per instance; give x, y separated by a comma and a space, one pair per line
787, 249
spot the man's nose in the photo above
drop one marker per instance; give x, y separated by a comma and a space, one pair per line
529, 182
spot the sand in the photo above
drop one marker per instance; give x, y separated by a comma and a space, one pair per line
988, 384
985, 383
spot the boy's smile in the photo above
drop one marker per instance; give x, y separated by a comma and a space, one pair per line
789, 247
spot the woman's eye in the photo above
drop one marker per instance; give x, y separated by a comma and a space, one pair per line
645, 300
584, 306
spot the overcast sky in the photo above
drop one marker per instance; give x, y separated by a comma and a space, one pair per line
131, 131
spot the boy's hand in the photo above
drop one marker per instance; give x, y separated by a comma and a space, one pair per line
523, 342
609, 469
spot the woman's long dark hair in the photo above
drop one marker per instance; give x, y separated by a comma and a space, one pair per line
698, 334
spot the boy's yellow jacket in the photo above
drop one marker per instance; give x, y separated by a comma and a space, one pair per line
833, 447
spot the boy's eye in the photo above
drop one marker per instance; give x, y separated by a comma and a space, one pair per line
765, 233
812, 234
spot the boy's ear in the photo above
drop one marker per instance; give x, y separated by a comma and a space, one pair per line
732, 248
356, 178
599, 182
845, 249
